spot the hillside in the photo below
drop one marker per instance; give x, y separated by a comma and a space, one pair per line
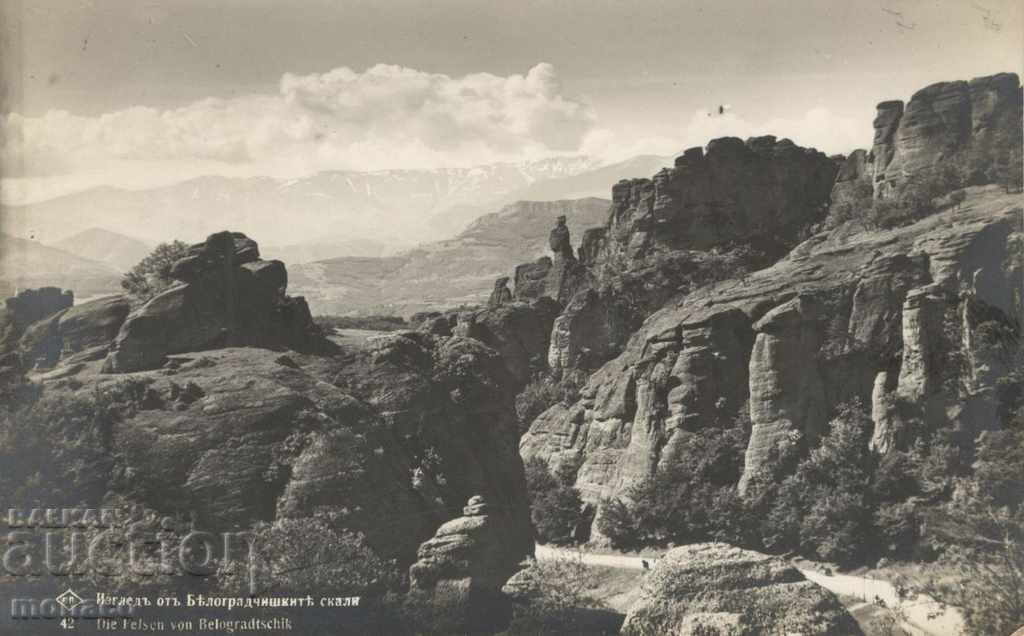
362, 213
97, 244
445, 273
26, 264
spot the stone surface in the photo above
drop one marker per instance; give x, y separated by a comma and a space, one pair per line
29, 306
557, 277
788, 343
462, 569
501, 294
714, 588
966, 125
388, 438
226, 297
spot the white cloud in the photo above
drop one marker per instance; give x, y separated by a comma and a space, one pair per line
384, 117
817, 128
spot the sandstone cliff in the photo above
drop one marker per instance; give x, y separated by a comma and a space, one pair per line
890, 317
788, 343
970, 128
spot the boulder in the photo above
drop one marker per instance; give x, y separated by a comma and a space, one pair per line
225, 296
715, 588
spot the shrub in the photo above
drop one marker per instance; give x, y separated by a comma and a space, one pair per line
824, 509
152, 274
556, 508
981, 561
692, 500
536, 397
308, 555
544, 391
556, 597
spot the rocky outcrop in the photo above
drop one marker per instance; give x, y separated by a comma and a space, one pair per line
557, 277
763, 191
461, 570
967, 125
226, 296
517, 330
659, 234
29, 306
68, 334
388, 439
714, 588
785, 345
501, 294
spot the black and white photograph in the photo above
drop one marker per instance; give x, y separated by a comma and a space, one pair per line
512, 318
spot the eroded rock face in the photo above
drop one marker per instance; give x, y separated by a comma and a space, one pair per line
789, 343
501, 293
763, 190
966, 125
70, 334
29, 306
462, 569
556, 277
388, 440
716, 588
226, 297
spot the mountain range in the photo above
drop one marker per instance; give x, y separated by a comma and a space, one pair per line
445, 273
361, 213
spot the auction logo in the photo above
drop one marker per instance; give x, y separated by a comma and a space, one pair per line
69, 600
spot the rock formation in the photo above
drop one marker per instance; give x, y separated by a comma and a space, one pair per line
886, 318
58, 331
501, 294
226, 296
29, 306
714, 588
972, 128
811, 332
388, 439
557, 277
461, 570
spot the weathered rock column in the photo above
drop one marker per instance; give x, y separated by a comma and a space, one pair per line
461, 570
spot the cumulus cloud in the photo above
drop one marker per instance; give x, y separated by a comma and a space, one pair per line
384, 117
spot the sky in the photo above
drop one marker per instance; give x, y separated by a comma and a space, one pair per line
140, 93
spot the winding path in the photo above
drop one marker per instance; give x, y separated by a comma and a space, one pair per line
918, 612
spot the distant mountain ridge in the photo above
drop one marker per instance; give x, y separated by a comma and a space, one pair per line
446, 273
397, 208
26, 264
102, 245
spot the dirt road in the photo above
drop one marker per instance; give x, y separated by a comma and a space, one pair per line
917, 612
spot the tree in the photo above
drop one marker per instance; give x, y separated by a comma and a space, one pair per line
557, 597
556, 508
152, 275
824, 509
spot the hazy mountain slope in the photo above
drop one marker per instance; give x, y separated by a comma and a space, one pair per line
392, 206
355, 213
590, 183
28, 264
98, 244
445, 273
